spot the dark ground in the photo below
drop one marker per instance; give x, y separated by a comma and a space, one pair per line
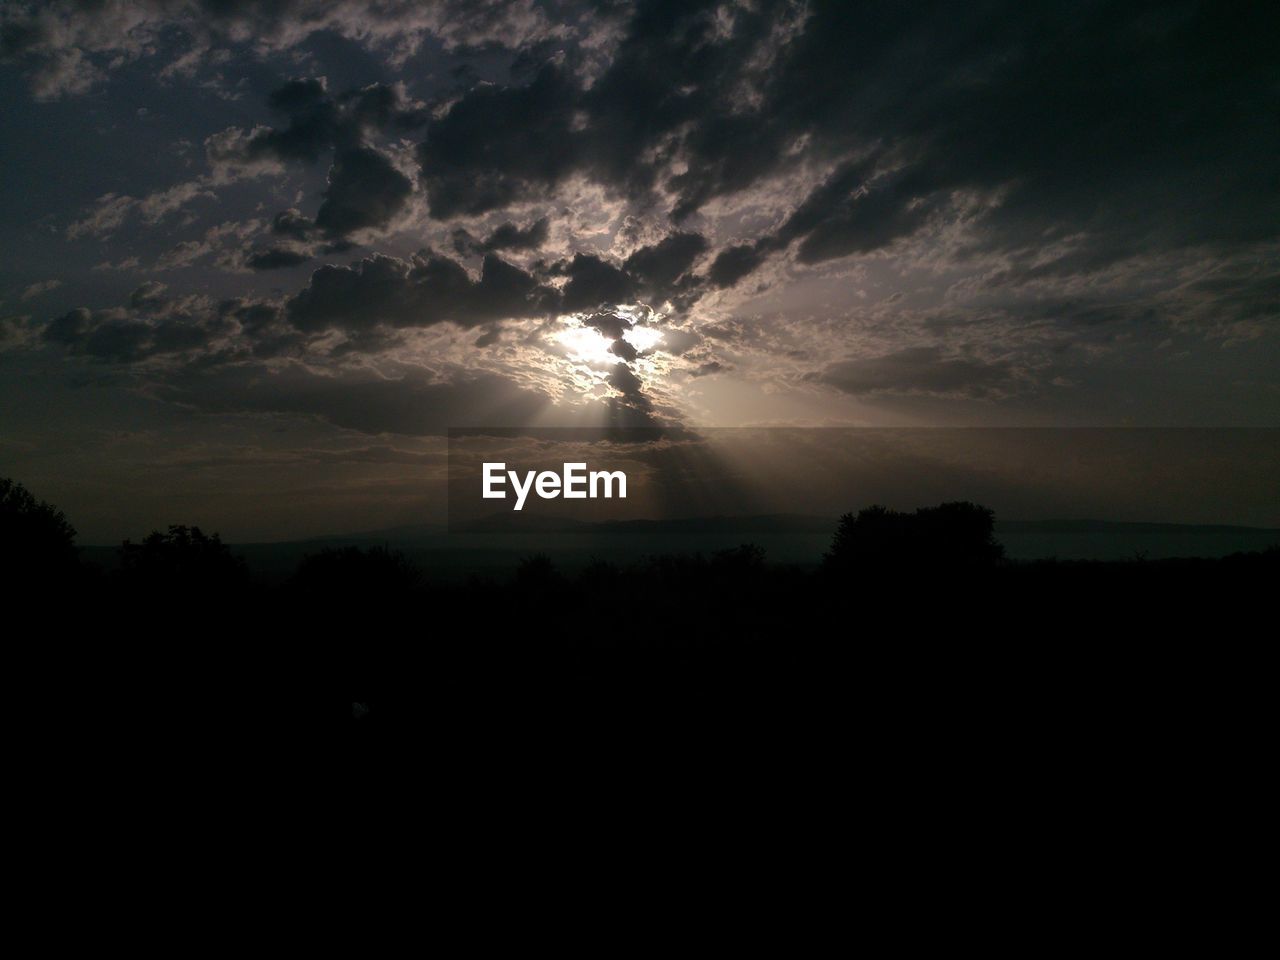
914, 670
745, 744
691, 666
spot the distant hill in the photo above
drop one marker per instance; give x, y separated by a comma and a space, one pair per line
1111, 540
494, 544
784, 523
1121, 527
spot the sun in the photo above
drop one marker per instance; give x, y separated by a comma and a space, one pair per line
584, 343
643, 338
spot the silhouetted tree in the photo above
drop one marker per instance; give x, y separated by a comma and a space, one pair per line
599, 576
537, 572
951, 536
744, 558
37, 543
183, 561
960, 533
739, 567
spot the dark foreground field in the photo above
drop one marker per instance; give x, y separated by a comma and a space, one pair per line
913, 653
684, 659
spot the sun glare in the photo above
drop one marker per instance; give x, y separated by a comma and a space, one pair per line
643, 338
585, 345
593, 356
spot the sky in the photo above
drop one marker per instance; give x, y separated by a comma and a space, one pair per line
258, 258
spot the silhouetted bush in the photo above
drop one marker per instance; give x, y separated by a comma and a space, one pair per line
950, 536
181, 562
537, 572
37, 543
744, 559
600, 576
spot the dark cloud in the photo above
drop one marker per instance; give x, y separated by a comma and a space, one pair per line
677, 87
853, 213
498, 145
856, 210
489, 337
924, 370
610, 325
1148, 126
319, 122
291, 223
672, 71
427, 290
1142, 125
679, 342
594, 282
621, 348
129, 335
660, 271
300, 97
253, 317
634, 407
103, 337
733, 263
314, 124
1114, 119
275, 258
180, 330
364, 187
508, 236
662, 265
340, 245
365, 190
623, 379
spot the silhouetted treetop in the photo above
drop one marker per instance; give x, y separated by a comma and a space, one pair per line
36, 540
957, 535
185, 559
537, 572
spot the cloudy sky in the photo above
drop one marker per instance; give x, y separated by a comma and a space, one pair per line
258, 257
